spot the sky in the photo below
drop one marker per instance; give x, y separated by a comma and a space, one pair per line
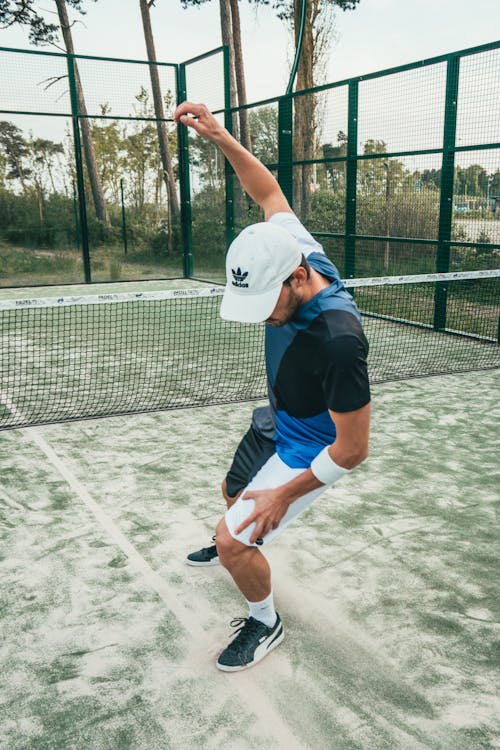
378, 34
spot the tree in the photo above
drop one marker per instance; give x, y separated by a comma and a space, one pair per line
141, 152
430, 178
208, 161
108, 145
16, 151
316, 43
163, 140
41, 154
264, 126
372, 172
88, 146
239, 70
231, 36
335, 171
471, 181
495, 183
45, 153
41, 32
3, 171
23, 12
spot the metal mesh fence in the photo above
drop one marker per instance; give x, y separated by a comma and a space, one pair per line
85, 192
478, 103
25, 80
404, 110
396, 172
403, 156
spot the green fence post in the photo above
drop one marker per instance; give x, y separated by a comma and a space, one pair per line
124, 219
75, 210
79, 169
351, 181
228, 170
446, 199
184, 180
285, 147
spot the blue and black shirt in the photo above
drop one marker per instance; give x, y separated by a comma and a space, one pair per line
316, 361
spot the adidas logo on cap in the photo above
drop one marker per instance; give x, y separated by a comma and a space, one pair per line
239, 277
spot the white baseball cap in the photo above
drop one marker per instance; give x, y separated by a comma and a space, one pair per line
258, 261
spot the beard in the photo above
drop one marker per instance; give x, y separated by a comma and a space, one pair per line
286, 309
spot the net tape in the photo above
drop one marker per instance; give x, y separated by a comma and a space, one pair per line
75, 357
105, 299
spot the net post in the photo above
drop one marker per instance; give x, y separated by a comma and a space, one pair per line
351, 181
285, 146
82, 203
184, 179
446, 198
228, 170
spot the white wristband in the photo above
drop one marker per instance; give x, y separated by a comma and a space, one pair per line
325, 469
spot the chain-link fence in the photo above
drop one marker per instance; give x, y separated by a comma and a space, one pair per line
91, 181
396, 172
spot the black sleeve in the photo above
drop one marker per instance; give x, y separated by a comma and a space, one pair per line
344, 373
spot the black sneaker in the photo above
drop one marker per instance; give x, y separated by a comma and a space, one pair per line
204, 556
253, 641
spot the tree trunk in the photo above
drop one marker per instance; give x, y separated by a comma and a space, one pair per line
245, 136
305, 112
226, 28
20, 170
166, 160
51, 176
39, 197
88, 146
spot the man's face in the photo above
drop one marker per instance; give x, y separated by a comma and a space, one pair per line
288, 303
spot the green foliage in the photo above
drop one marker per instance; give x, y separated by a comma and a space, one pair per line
38, 206
264, 129
16, 263
209, 226
15, 151
25, 13
401, 214
284, 8
327, 211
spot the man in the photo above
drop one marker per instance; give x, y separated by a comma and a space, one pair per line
316, 428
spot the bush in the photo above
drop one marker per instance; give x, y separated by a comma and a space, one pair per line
327, 212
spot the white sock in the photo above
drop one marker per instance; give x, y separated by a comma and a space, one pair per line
263, 611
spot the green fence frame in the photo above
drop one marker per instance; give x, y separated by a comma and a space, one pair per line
448, 150
76, 116
286, 162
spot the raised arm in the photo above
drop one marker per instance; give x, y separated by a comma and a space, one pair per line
254, 177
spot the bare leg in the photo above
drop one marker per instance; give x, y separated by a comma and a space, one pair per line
229, 500
248, 567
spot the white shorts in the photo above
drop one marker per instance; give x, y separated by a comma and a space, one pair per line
273, 474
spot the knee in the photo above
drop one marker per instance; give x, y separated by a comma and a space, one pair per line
227, 547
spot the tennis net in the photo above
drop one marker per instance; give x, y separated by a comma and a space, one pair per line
81, 357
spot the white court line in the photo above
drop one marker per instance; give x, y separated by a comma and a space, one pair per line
252, 696
153, 579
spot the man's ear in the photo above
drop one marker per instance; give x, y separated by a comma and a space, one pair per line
300, 274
